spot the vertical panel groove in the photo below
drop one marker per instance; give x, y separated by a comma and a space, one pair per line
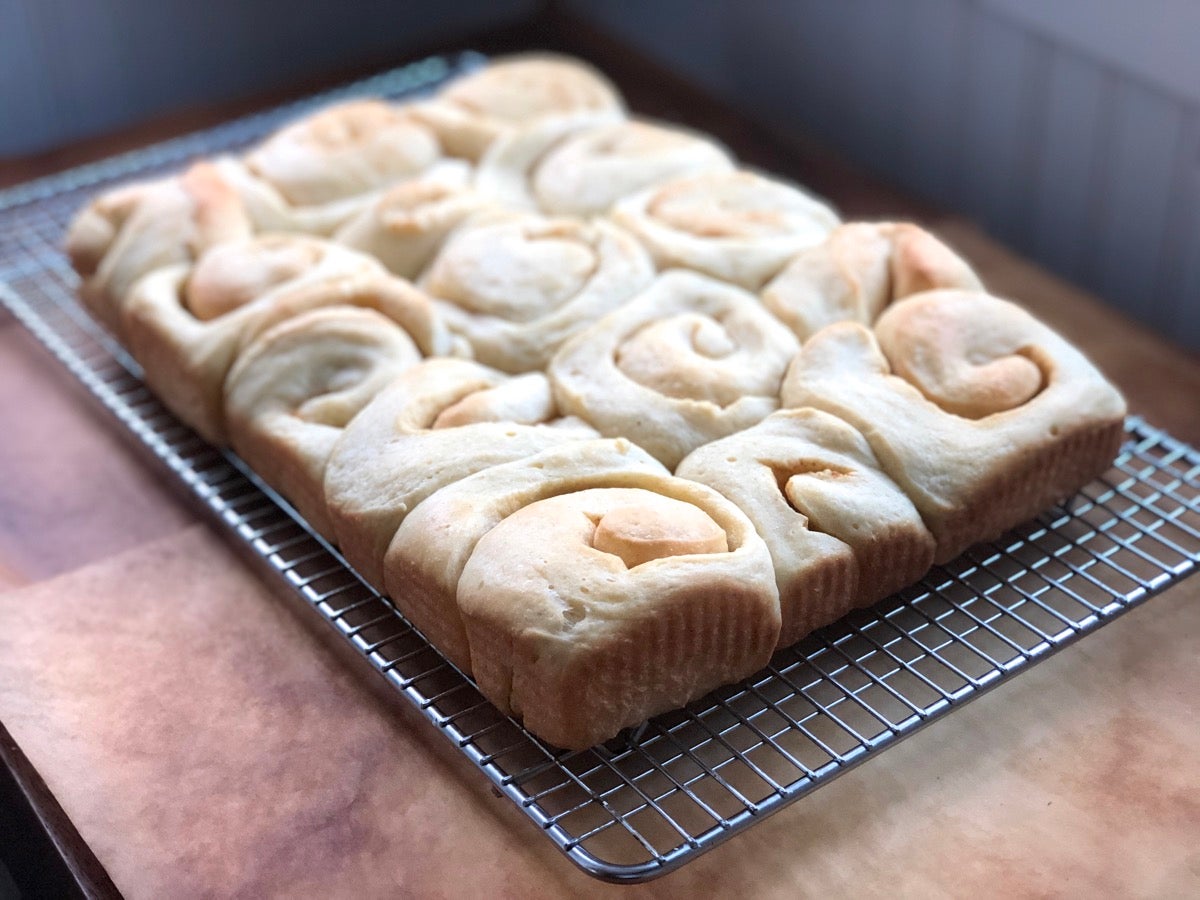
1169, 285
1036, 103
1098, 178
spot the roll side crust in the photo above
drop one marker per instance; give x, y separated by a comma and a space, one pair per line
425, 559
981, 414
842, 535
439, 422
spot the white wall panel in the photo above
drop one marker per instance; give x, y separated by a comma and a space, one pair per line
1131, 229
1178, 285
1000, 125
1077, 113
933, 97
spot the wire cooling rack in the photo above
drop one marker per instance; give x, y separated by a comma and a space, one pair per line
649, 800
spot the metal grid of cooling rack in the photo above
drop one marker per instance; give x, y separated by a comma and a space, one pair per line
648, 801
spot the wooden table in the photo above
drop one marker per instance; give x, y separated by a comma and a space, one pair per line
167, 755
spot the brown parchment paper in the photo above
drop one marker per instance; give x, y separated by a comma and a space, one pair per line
207, 743
71, 492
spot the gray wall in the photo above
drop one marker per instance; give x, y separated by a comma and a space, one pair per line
1069, 128
70, 68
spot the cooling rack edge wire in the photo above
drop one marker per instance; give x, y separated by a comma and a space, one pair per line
652, 799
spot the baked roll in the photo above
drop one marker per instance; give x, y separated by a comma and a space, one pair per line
858, 271
408, 224
438, 422
186, 325
514, 93
297, 385
842, 535
328, 165
588, 587
737, 226
982, 414
687, 361
132, 230
516, 288
582, 172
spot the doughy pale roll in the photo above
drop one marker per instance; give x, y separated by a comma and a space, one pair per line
345, 150
982, 414
517, 92
425, 557
186, 325
563, 170
687, 361
438, 422
132, 230
406, 226
842, 535
859, 270
580, 632
296, 387
518, 287
738, 226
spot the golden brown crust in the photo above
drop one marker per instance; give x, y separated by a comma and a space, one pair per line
133, 230
842, 535
858, 271
976, 456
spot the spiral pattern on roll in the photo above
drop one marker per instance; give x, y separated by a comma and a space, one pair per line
842, 534
687, 361
858, 271
563, 169
734, 225
983, 415
438, 422
516, 288
296, 387
186, 325
592, 589
514, 93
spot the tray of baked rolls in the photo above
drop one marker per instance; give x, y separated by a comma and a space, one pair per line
665, 495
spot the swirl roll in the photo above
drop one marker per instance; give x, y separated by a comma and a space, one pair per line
406, 226
858, 271
735, 225
516, 288
436, 423
132, 230
186, 325
687, 361
564, 170
517, 92
983, 415
589, 588
326, 166
842, 535
294, 389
